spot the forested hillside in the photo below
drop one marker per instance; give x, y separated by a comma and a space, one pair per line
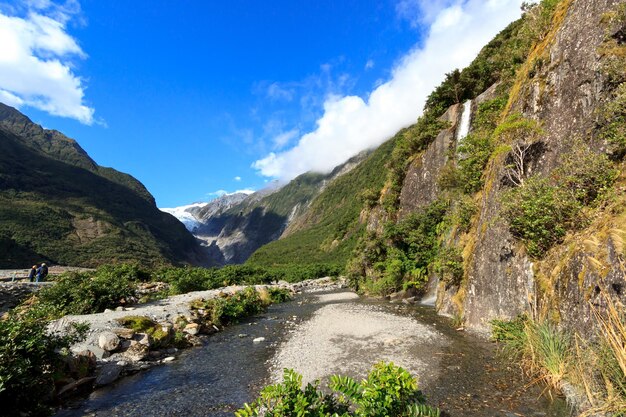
58, 205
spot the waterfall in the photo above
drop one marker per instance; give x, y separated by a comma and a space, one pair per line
430, 298
464, 126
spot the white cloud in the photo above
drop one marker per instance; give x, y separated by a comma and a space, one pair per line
277, 92
369, 64
284, 138
351, 124
221, 193
238, 178
36, 54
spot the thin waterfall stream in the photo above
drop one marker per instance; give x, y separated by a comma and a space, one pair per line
319, 334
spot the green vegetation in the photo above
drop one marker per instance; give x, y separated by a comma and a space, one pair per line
229, 309
113, 285
29, 361
328, 232
542, 210
554, 356
465, 170
88, 292
388, 391
402, 256
59, 211
539, 214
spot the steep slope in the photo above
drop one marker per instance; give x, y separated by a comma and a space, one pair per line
57, 205
329, 229
525, 214
232, 227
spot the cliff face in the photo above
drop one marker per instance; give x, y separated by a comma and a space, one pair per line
563, 92
558, 92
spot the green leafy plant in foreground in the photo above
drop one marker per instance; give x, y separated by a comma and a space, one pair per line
387, 391
29, 361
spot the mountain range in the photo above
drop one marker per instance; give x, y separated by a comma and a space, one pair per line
58, 205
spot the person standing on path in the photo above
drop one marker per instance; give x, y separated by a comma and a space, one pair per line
44, 271
32, 273
38, 275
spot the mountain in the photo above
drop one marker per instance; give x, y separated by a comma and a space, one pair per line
506, 197
58, 205
233, 226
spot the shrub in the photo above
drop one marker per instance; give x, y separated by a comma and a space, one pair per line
228, 309
88, 292
543, 349
613, 122
29, 361
449, 264
539, 214
387, 391
585, 174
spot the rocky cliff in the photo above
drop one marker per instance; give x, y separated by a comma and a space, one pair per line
542, 125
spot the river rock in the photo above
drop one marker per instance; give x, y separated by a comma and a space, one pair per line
123, 332
168, 359
135, 352
258, 340
108, 374
142, 338
108, 341
192, 329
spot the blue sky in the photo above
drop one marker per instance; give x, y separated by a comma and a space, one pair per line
195, 96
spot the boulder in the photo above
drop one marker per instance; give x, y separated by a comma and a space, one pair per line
108, 374
135, 352
258, 340
142, 338
192, 329
123, 332
108, 341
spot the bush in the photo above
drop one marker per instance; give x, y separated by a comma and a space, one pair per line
539, 214
449, 264
544, 350
30, 362
541, 211
88, 292
584, 174
388, 391
229, 309
613, 122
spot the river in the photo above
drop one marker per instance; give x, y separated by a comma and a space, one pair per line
320, 334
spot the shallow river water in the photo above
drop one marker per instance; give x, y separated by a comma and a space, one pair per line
457, 371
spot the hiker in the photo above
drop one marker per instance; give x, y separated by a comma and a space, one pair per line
38, 274
32, 273
44, 271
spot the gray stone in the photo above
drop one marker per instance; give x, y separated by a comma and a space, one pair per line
96, 350
108, 374
135, 352
142, 338
123, 332
258, 340
108, 341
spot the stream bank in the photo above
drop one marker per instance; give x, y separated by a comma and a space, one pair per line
319, 334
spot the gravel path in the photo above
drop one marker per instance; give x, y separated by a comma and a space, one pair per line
347, 338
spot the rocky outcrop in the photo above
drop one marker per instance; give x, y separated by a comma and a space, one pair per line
12, 294
420, 186
563, 94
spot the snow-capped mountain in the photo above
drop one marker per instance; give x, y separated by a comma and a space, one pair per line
192, 215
